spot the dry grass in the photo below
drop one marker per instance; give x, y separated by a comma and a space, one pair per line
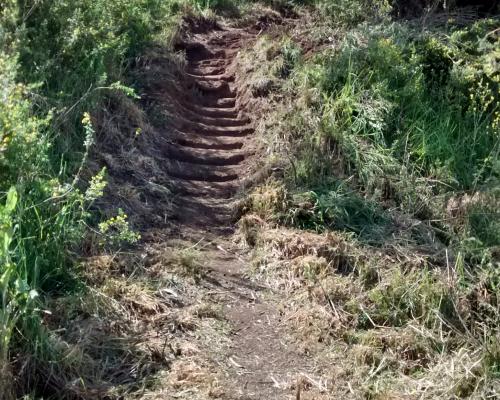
335, 307
141, 325
188, 261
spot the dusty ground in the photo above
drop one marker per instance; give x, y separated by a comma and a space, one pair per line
209, 158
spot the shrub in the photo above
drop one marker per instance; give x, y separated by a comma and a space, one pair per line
436, 63
341, 209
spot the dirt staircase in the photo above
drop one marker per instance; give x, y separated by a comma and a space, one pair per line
208, 159
208, 147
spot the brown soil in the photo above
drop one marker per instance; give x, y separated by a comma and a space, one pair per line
209, 153
209, 159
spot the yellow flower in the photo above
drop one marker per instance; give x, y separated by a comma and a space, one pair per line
86, 118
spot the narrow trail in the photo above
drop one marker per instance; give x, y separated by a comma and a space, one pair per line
208, 162
209, 151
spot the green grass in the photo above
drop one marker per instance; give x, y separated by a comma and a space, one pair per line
58, 60
409, 116
335, 207
389, 134
379, 91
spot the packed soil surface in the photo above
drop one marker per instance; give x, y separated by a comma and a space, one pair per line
210, 153
210, 158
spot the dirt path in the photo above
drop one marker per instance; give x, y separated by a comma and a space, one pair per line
210, 155
210, 160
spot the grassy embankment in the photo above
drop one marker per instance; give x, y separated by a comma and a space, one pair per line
59, 62
390, 134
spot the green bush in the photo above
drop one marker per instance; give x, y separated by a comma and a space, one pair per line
392, 107
291, 54
436, 63
409, 120
72, 49
407, 296
336, 207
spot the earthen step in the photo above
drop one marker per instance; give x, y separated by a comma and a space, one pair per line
211, 112
216, 77
203, 156
209, 63
215, 143
227, 39
194, 172
212, 130
204, 211
206, 71
219, 88
225, 102
188, 114
224, 121
222, 53
209, 203
223, 41
218, 190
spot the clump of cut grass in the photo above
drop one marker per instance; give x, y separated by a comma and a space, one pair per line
268, 201
188, 261
311, 268
289, 259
